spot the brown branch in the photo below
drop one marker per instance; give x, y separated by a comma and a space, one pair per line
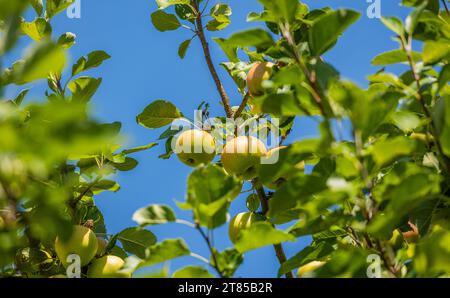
201, 34
211, 249
242, 106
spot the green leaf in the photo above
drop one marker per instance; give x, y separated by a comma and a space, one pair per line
137, 241
38, 6
387, 151
261, 234
154, 214
83, 88
158, 114
250, 38
433, 254
105, 185
166, 250
42, 60
166, 3
406, 120
229, 50
317, 252
394, 24
413, 19
220, 13
394, 57
228, 261
442, 119
210, 190
215, 25
67, 40
435, 51
192, 272
164, 21
444, 76
37, 30
53, 7
184, 47
127, 165
20, 97
93, 59
139, 148
282, 10
327, 29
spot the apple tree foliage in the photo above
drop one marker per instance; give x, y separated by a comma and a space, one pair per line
54, 156
382, 195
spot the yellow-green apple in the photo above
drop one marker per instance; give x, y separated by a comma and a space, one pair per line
107, 267
242, 155
241, 222
259, 73
194, 147
82, 242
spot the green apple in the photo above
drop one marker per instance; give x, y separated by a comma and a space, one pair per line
82, 242
102, 244
195, 147
308, 269
259, 73
107, 267
241, 156
240, 222
283, 177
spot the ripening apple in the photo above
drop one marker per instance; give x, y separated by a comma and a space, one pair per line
102, 244
241, 156
280, 179
240, 222
259, 73
307, 269
82, 242
107, 267
194, 147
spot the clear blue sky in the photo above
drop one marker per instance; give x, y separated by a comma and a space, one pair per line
145, 67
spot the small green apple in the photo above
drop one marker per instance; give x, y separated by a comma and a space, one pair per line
82, 242
195, 147
259, 73
107, 267
308, 269
241, 156
278, 180
240, 222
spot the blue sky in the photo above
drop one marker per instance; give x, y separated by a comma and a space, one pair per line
145, 67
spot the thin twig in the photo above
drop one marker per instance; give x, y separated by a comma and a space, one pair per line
211, 249
446, 7
242, 106
201, 34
